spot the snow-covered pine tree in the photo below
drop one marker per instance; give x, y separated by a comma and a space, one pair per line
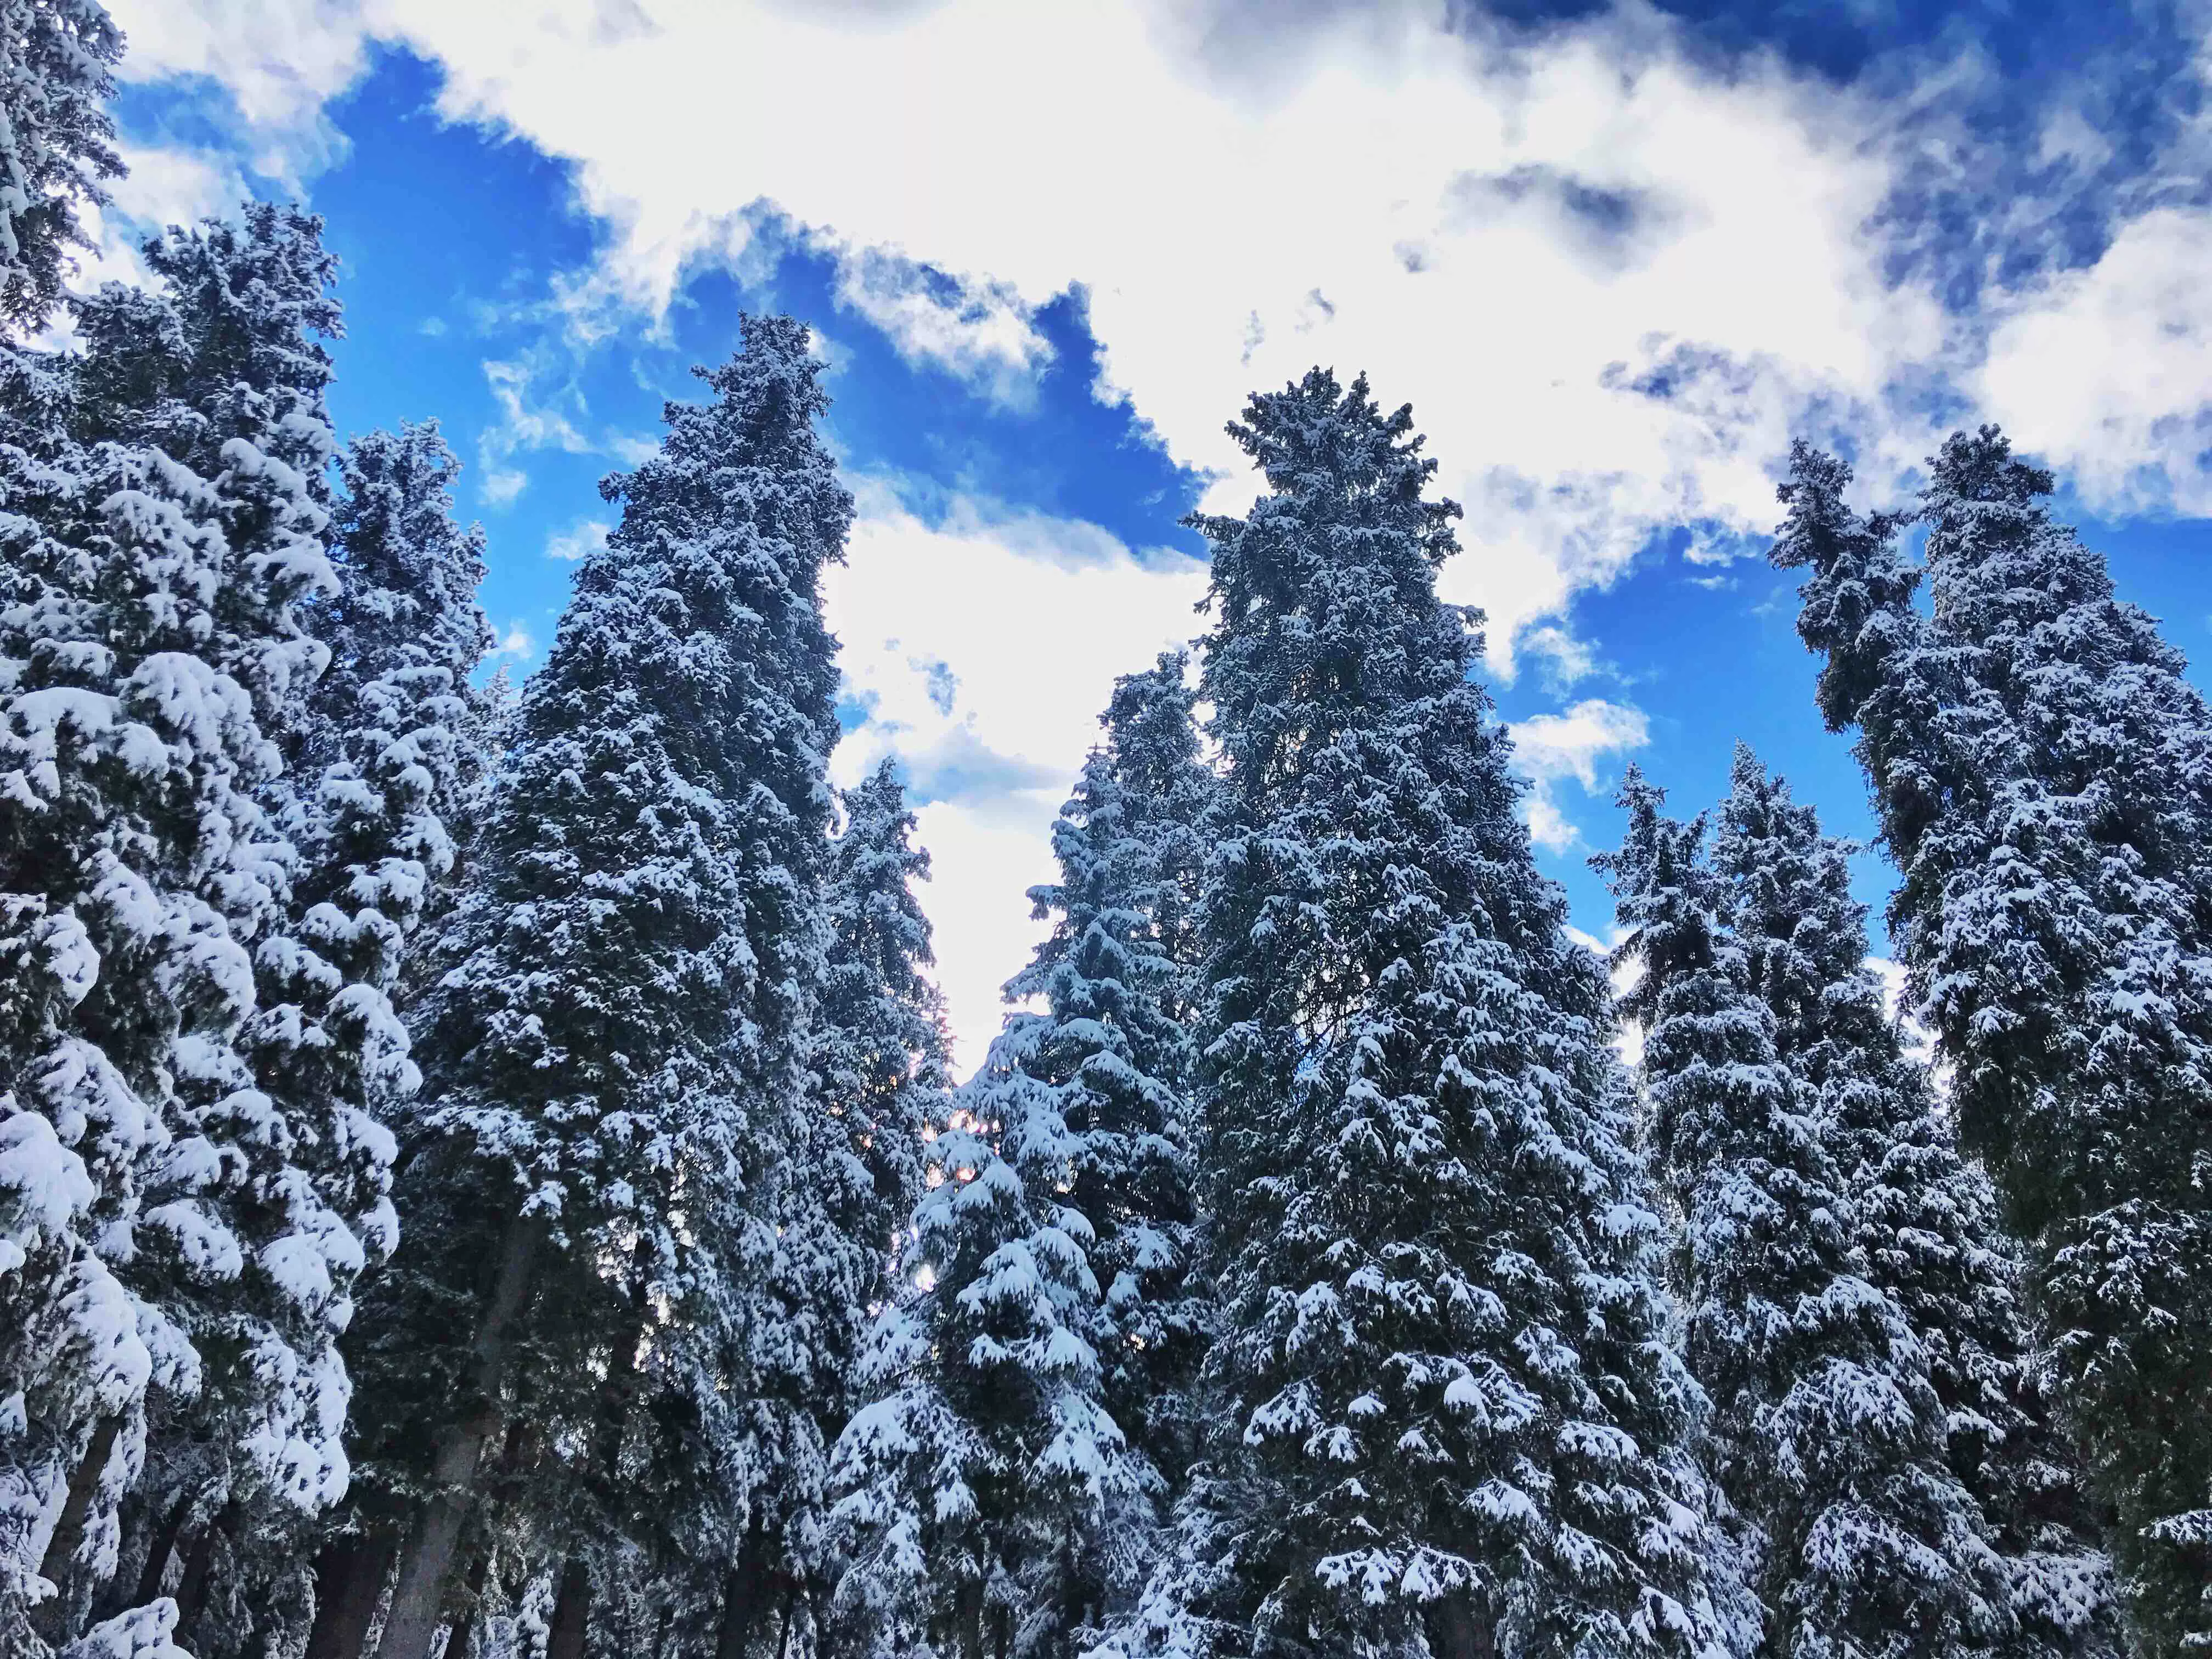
1116, 976
882, 1068
395, 756
223, 370
1927, 1222
1446, 1420
398, 746
973, 1488
885, 1060
2039, 766
1827, 1438
114, 953
1049, 1260
171, 533
582, 1312
57, 62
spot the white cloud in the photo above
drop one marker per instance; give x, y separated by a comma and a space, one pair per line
501, 485
2108, 372
986, 648
1565, 657
1551, 749
1609, 279
515, 643
579, 540
280, 61
977, 331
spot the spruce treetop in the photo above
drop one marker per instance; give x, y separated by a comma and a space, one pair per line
57, 59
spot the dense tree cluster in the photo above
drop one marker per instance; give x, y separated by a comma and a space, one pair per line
481, 1175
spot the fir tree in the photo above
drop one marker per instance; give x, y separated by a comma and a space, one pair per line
585, 1317
1827, 1438
1117, 976
882, 1064
886, 1059
400, 739
159, 660
56, 63
1926, 1218
2038, 764
397, 749
1445, 1411
975, 1486
1050, 1259
223, 371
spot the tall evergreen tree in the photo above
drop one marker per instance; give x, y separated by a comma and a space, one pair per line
1115, 977
396, 757
882, 1067
976, 1485
57, 73
1828, 1440
1926, 1218
583, 1311
398, 746
223, 369
159, 661
1446, 1414
1039, 1362
886, 1056
2037, 762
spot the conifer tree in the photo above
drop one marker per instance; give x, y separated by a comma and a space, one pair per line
585, 1314
1115, 977
882, 1075
399, 738
57, 73
977, 1485
2037, 760
1827, 1438
159, 661
1050, 1259
1445, 1413
224, 371
885, 1060
1926, 1218
396, 755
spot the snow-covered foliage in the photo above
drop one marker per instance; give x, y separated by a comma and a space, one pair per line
1926, 1218
1443, 1412
57, 70
1047, 1287
398, 751
884, 1059
594, 1308
2039, 767
1827, 1439
177, 1029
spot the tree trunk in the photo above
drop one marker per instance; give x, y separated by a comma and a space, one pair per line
745, 1589
790, 1613
69, 1528
156, 1566
968, 1619
572, 1612
427, 1559
1458, 1631
465, 1622
199, 1562
349, 1576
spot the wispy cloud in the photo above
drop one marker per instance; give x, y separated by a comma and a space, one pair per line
1549, 750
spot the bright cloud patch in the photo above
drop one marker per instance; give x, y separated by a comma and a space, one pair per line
1550, 748
983, 649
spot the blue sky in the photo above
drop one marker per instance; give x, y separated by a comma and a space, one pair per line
1613, 256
